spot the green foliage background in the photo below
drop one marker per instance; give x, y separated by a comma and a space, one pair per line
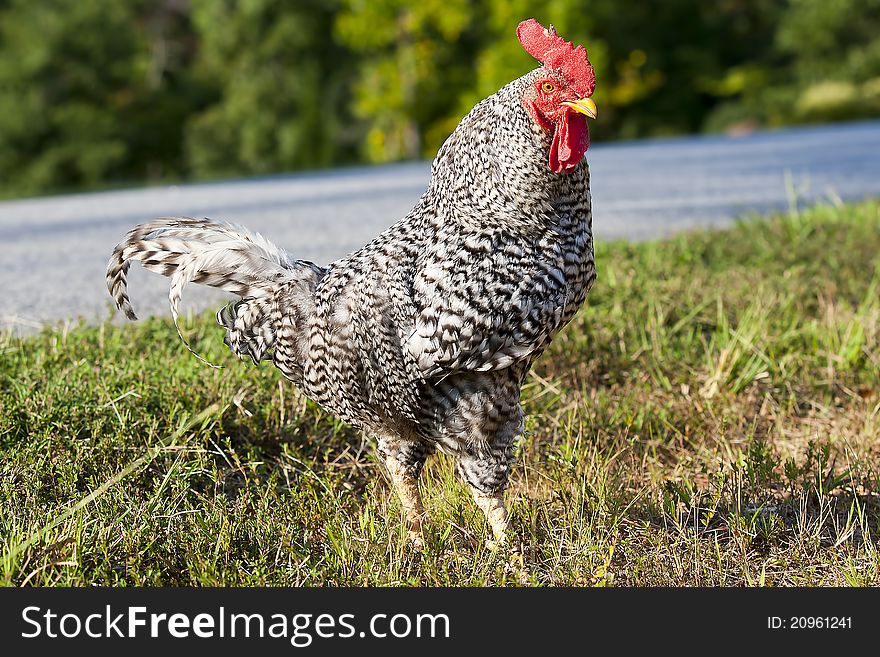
109, 92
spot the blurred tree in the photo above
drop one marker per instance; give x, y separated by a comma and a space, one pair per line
283, 88
414, 59
830, 39
834, 46
823, 64
89, 92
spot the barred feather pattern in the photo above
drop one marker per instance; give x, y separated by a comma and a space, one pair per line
220, 255
424, 336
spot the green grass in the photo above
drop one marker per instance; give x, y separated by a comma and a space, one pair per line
712, 417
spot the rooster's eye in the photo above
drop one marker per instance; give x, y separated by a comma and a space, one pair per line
548, 87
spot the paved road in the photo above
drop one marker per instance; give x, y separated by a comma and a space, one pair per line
53, 251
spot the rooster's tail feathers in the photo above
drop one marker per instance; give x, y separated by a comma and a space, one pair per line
219, 255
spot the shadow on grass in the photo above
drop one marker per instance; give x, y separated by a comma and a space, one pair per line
338, 457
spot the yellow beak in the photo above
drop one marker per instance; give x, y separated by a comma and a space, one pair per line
584, 106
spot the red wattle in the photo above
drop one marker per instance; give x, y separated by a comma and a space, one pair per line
571, 138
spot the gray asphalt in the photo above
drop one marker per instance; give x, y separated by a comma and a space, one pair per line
53, 250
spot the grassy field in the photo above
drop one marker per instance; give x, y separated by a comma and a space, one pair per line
712, 417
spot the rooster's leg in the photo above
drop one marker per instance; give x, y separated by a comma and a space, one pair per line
484, 463
492, 505
485, 471
404, 460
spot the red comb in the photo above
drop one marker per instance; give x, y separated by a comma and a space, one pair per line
555, 52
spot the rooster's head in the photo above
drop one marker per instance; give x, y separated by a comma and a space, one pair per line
559, 98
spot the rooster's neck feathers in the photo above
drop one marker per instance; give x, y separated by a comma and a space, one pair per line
492, 170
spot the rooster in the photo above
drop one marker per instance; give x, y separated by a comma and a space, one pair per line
423, 337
